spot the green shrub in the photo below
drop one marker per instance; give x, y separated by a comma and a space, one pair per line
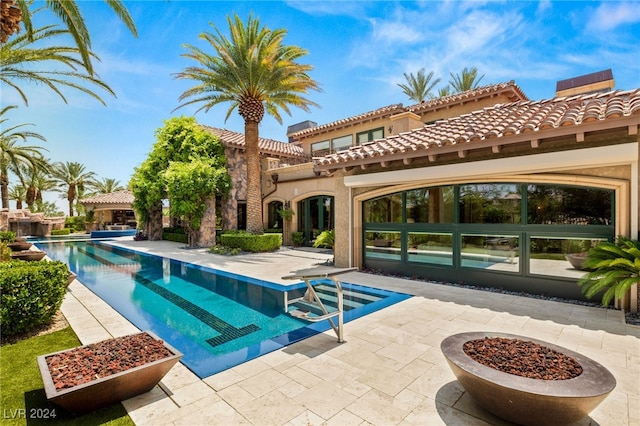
325, 239
250, 242
298, 238
5, 252
176, 237
174, 230
32, 293
224, 250
229, 231
7, 236
64, 231
273, 231
76, 223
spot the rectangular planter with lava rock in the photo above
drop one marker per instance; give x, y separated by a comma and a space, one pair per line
93, 376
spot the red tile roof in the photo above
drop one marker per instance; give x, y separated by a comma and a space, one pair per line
118, 197
501, 122
510, 89
266, 146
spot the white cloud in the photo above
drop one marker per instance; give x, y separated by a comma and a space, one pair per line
610, 15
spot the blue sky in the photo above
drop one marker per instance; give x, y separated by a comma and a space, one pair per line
359, 51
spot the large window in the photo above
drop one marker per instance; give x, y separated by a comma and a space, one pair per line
560, 205
341, 143
320, 149
370, 135
507, 235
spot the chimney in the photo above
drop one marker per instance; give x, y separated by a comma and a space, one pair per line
597, 82
299, 126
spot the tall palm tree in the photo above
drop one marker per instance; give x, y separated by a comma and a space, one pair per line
444, 91
18, 193
255, 72
15, 11
418, 87
13, 155
71, 178
466, 80
36, 181
22, 60
106, 186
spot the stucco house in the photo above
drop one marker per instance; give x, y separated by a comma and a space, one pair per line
484, 187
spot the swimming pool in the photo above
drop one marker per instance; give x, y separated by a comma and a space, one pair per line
216, 319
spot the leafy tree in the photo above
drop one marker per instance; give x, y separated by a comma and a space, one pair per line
32, 59
179, 142
71, 178
188, 185
615, 268
418, 87
50, 209
468, 79
68, 12
13, 155
255, 73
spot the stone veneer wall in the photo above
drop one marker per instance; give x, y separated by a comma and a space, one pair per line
236, 166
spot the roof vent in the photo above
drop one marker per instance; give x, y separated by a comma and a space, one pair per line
597, 82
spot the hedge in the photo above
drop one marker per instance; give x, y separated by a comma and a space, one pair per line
178, 238
252, 243
64, 231
32, 293
7, 236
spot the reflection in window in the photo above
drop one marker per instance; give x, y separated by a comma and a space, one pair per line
430, 248
559, 256
274, 218
430, 205
490, 203
341, 143
370, 135
384, 209
320, 149
558, 205
494, 252
382, 245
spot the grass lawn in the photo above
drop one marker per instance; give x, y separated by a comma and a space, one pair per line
22, 396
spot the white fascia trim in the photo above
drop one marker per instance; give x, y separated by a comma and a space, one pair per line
537, 163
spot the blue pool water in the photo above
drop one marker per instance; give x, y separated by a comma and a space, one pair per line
215, 318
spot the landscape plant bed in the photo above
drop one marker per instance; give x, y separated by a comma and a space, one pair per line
524, 380
97, 375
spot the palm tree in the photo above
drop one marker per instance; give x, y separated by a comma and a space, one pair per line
444, 91
71, 178
20, 61
418, 87
255, 72
36, 181
13, 155
106, 186
466, 80
18, 193
15, 11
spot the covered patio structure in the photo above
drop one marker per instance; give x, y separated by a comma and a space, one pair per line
113, 211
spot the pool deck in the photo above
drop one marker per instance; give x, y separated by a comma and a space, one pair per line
390, 370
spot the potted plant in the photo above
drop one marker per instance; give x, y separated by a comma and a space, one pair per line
615, 268
93, 376
286, 213
527, 381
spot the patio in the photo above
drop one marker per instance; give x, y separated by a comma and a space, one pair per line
390, 370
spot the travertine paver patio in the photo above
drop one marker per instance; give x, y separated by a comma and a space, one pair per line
390, 370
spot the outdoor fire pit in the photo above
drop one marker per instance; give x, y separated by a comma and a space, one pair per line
93, 376
564, 393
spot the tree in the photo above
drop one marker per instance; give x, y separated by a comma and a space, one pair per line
18, 193
165, 173
13, 155
36, 181
71, 178
418, 87
21, 60
444, 91
16, 11
255, 72
466, 80
106, 186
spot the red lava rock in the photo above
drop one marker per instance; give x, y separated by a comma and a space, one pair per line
522, 358
82, 365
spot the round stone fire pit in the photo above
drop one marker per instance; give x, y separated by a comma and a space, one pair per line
523, 400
